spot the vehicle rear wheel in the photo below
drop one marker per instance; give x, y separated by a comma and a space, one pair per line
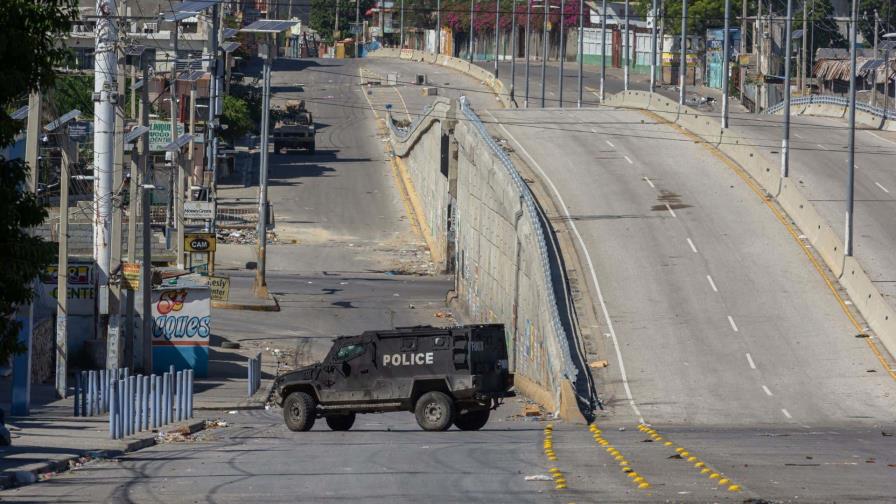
434, 411
472, 420
341, 422
298, 411
311, 149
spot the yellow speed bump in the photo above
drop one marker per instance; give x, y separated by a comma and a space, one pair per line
698, 465
560, 486
553, 470
715, 476
724, 481
679, 450
668, 443
624, 463
692, 459
644, 486
627, 469
639, 479
632, 474
734, 488
705, 470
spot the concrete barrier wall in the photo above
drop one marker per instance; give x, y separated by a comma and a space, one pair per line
880, 316
460, 65
496, 243
418, 154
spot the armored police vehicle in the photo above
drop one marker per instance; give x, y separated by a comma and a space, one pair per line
444, 375
295, 128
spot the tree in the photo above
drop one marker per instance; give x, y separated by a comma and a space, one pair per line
886, 11
237, 118
29, 34
323, 16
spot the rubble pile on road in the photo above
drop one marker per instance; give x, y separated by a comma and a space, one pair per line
244, 237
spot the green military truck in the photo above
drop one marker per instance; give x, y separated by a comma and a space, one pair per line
294, 128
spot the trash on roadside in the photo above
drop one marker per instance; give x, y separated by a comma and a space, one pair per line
232, 412
538, 477
598, 364
215, 424
531, 410
443, 314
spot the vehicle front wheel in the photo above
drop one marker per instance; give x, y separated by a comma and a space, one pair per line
472, 420
341, 422
434, 411
298, 411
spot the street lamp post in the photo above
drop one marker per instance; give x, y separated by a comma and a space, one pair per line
656, 19
562, 54
785, 153
438, 26
581, 48
472, 15
683, 61
544, 47
725, 49
497, 33
626, 49
401, 28
528, 35
851, 168
513, 36
603, 47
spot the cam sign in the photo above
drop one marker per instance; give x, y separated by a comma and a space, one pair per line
181, 326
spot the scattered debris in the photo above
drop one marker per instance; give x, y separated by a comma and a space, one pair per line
886, 434
538, 477
676, 456
443, 314
215, 424
598, 364
530, 410
232, 412
244, 237
862, 335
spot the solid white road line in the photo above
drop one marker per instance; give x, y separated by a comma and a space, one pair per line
767, 391
600, 295
670, 210
882, 188
629, 160
713, 285
692, 245
750, 361
649, 182
609, 143
731, 321
786, 413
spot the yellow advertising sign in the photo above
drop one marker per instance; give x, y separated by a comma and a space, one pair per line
199, 242
130, 276
220, 287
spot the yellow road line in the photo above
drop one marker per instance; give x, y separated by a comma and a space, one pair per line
689, 457
638, 479
754, 186
556, 473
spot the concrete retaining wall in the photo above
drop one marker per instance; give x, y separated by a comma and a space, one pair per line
880, 316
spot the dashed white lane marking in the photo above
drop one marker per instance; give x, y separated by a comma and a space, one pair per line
692, 245
649, 182
882, 188
600, 295
767, 391
786, 413
750, 361
797, 135
629, 160
670, 210
733, 325
609, 143
714, 288
822, 146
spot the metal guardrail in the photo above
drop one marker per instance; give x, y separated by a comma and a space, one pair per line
838, 101
531, 210
403, 133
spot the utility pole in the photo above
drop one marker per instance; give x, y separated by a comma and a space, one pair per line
114, 352
190, 155
562, 54
401, 35
581, 48
528, 35
133, 208
788, 54
439, 26
357, 26
105, 76
725, 58
656, 19
851, 168
683, 60
175, 188
603, 47
261, 287
146, 210
336, 23
62, 268
472, 16
544, 47
625, 50
497, 33
21, 377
